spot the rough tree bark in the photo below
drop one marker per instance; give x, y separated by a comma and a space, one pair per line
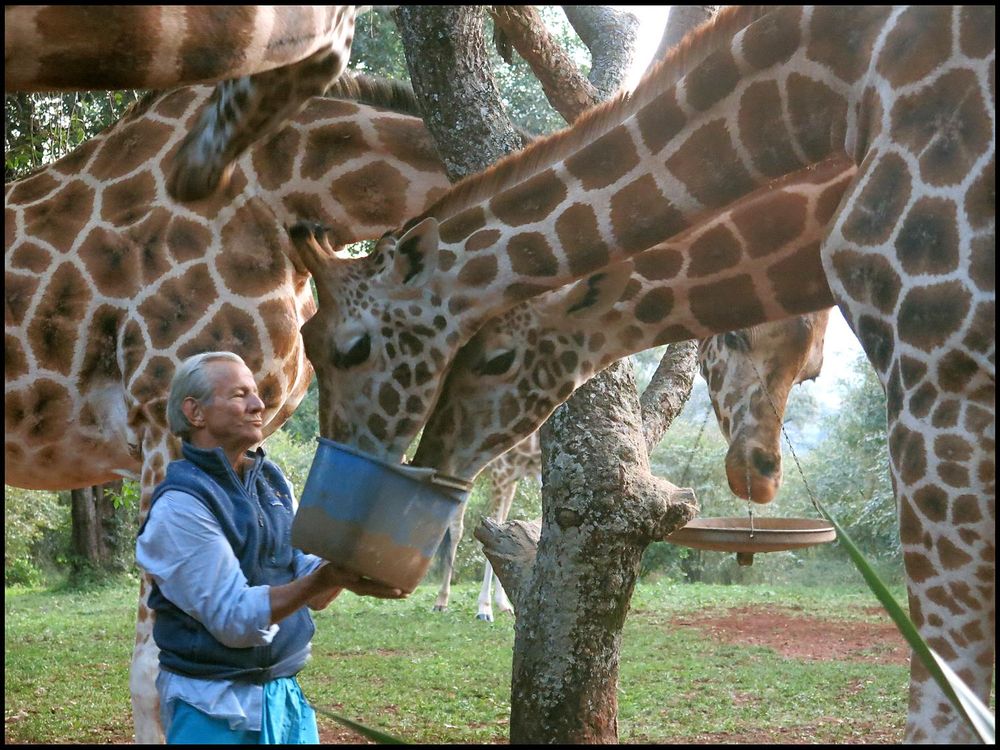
682, 19
92, 516
610, 36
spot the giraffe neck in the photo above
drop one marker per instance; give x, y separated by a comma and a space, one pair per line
761, 255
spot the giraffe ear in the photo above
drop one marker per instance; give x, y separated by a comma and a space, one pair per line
596, 294
415, 259
310, 251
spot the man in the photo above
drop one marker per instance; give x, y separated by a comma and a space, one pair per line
230, 592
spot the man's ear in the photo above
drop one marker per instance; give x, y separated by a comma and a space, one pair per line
193, 411
415, 258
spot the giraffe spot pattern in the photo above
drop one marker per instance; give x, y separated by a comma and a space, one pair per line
901, 61
814, 109
32, 189
657, 264
660, 120
230, 329
53, 330
932, 502
922, 400
462, 225
771, 224
280, 322
641, 216
722, 180
929, 315
478, 272
481, 240
977, 30
762, 128
845, 53
274, 160
186, 239
712, 80
879, 207
126, 202
254, 254
812, 293
177, 306
153, 382
877, 339
909, 453
15, 363
100, 363
129, 148
19, 289
743, 304
112, 263
530, 255
714, 251
63, 215
982, 267
868, 278
577, 229
771, 39
913, 371
374, 195
655, 305
928, 242
39, 412
946, 125
529, 201
408, 141
331, 146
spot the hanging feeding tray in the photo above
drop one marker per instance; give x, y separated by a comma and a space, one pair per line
767, 535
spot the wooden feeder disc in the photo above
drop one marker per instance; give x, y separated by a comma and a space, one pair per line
767, 535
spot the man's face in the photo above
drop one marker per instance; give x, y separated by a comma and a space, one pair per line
233, 417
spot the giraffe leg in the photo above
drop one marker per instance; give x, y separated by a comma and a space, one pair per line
938, 375
156, 452
454, 536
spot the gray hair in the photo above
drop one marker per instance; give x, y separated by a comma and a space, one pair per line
191, 381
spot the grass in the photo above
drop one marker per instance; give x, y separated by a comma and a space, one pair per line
445, 677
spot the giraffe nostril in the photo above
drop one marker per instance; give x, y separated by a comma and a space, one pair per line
765, 463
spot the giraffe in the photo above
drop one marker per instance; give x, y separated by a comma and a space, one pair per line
750, 375
109, 284
905, 94
269, 59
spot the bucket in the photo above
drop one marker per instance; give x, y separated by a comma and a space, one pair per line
383, 521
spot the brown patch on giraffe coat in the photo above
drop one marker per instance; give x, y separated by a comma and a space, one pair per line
955, 371
605, 160
848, 52
711, 80
952, 558
922, 400
326, 108
660, 120
927, 242
902, 60
741, 303
932, 502
478, 271
128, 148
868, 278
112, 262
39, 411
879, 208
762, 129
15, 362
655, 264
946, 414
913, 370
878, 340
981, 335
62, 216
946, 125
770, 224
772, 39
929, 315
481, 240
641, 216
407, 140
982, 265
977, 30
373, 195
75, 162
232, 330
178, 305
965, 510
817, 114
186, 240
530, 255
19, 289
128, 201
581, 240
718, 181
53, 329
29, 256
154, 381
100, 362
673, 333
529, 201
330, 146
273, 161
811, 290
716, 250
909, 453
254, 261
282, 326
31, 189
655, 305
462, 225
388, 398
174, 104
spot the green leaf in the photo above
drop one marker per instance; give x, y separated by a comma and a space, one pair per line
372, 734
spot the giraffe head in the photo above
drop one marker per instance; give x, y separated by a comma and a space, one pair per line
737, 366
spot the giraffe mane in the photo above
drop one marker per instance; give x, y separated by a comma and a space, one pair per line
548, 150
376, 91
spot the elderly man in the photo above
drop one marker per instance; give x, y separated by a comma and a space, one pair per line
229, 591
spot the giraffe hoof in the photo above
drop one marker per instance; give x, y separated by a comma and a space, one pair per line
439, 608
484, 617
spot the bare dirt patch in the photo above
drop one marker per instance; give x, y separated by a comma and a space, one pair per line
797, 636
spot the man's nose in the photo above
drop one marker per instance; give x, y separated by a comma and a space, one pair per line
256, 404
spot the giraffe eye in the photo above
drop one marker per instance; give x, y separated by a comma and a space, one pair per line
496, 365
357, 354
737, 340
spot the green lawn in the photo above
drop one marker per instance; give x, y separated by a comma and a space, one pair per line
445, 677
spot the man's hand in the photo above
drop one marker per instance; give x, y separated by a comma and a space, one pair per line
330, 576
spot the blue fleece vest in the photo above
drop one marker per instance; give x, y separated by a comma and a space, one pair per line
256, 518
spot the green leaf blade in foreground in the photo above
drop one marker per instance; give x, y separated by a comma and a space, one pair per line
367, 732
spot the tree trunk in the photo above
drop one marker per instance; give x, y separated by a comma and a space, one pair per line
682, 19
88, 534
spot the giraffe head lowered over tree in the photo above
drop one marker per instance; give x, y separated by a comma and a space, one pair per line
274, 57
908, 96
109, 284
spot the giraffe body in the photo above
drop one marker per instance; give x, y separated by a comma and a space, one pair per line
109, 284
905, 94
270, 60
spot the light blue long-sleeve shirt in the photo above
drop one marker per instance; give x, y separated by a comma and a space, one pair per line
186, 552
